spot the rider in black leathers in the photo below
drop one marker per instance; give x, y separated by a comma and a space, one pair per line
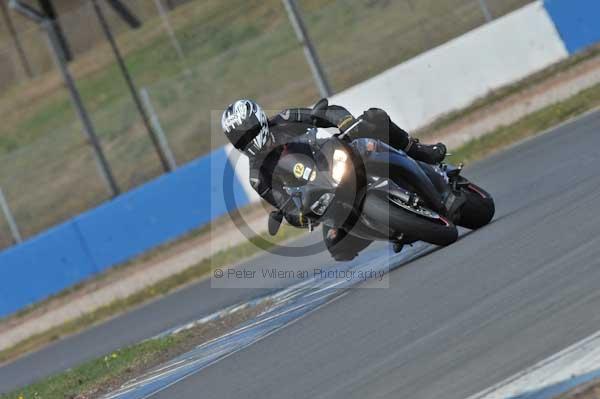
264, 140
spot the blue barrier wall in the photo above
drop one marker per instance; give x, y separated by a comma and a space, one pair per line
157, 212
42, 266
577, 22
117, 231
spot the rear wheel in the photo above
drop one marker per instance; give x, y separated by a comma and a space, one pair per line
378, 207
479, 208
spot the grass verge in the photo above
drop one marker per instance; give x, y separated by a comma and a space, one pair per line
91, 379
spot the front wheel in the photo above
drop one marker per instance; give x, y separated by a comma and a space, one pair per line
379, 208
479, 208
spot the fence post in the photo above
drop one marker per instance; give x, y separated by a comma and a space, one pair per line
169, 28
84, 117
12, 225
309, 50
129, 81
162, 137
16, 41
58, 54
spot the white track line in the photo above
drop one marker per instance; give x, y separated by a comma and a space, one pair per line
578, 359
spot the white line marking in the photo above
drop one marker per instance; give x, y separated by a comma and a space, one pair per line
578, 359
250, 343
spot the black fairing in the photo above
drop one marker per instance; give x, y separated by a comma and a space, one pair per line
386, 161
370, 163
349, 194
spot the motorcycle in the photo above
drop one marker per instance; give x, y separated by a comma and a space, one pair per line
375, 192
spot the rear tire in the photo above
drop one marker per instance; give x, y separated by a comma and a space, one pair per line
438, 232
478, 210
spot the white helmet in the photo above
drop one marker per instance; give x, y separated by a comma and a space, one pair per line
246, 126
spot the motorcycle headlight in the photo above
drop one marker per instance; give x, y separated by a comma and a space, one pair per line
339, 165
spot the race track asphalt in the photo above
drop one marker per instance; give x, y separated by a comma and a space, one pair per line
451, 323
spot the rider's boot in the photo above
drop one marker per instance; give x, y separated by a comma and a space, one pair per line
431, 154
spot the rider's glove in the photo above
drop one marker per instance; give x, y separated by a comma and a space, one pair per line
352, 128
319, 112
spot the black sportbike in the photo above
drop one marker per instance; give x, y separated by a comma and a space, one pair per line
375, 192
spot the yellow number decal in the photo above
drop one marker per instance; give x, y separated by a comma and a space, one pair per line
298, 170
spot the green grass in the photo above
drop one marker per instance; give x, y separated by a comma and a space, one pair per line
233, 49
122, 364
92, 375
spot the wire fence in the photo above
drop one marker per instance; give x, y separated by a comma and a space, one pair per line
197, 57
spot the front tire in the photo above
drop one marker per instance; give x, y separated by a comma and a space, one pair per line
435, 231
478, 210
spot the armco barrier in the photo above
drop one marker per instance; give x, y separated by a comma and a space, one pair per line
577, 21
116, 231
